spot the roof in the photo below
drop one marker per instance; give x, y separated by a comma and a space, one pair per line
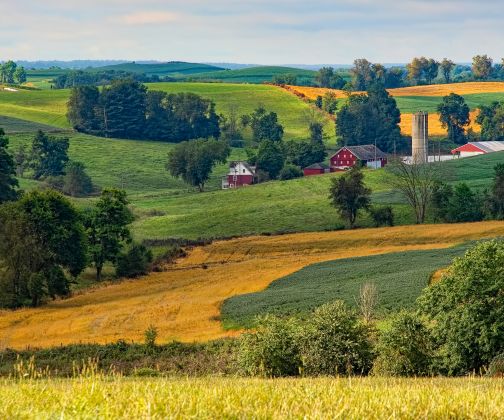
250, 168
365, 152
318, 166
484, 146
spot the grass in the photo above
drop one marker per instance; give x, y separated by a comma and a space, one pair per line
258, 74
208, 398
398, 277
184, 301
174, 68
16, 125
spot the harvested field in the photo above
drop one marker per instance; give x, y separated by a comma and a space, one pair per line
184, 302
435, 128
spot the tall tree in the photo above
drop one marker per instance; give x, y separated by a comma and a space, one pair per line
431, 70
363, 74
270, 158
84, 111
482, 66
123, 105
491, 119
454, 115
330, 103
349, 195
107, 228
76, 181
496, 199
8, 71
265, 125
193, 161
20, 75
8, 181
42, 240
447, 67
369, 119
49, 155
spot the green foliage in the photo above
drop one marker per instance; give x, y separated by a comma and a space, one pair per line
349, 195
304, 153
370, 119
334, 342
42, 236
399, 279
265, 125
134, 262
107, 228
491, 119
290, 171
194, 161
496, 367
48, 155
496, 199
456, 205
84, 109
329, 103
405, 348
285, 79
8, 181
454, 115
270, 158
382, 216
327, 78
424, 70
7, 72
467, 308
150, 335
482, 67
76, 182
446, 66
272, 350
20, 75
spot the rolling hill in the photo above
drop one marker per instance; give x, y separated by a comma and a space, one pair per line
184, 301
260, 74
172, 68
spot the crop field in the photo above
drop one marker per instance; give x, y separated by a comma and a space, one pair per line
184, 302
426, 98
210, 398
399, 279
174, 68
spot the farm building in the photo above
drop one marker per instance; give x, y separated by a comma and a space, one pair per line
348, 156
478, 148
240, 174
316, 169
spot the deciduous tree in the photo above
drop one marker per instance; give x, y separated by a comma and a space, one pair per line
454, 115
8, 181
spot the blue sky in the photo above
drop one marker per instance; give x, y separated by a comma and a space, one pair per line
251, 31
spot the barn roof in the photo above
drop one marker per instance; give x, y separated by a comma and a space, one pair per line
365, 152
484, 146
245, 164
318, 166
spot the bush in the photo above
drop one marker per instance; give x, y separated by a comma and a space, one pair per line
272, 350
467, 309
382, 216
335, 343
76, 182
405, 349
134, 262
496, 368
290, 171
150, 336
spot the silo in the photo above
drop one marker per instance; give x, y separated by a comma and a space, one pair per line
420, 136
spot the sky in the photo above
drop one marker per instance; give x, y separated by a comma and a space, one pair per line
251, 31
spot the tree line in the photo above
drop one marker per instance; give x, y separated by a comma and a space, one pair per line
125, 109
76, 78
11, 73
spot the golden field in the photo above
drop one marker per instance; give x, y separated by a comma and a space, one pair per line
211, 398
184, 301
435, 128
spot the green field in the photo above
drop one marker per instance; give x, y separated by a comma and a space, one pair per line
260, 74
15, 125
399, 279
238, 398
410, 104
174, 68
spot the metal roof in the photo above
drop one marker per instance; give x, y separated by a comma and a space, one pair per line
365, 152
489, 146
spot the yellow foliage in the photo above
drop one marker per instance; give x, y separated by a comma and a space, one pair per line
244, 398
184, 301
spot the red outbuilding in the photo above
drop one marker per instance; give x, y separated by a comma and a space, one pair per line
316, 169
240, 174
478, 148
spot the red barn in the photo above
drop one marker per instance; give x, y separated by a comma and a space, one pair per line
478, 148
316, 169
240, 174
348, 156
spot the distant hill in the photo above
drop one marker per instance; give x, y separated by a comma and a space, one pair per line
258, 74
172, 68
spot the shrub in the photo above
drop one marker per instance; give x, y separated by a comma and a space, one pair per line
405, 349
76, 181
290, 171
134, 262
150, 336
382, 216
335, 343
496, 367
272, 350
467, 307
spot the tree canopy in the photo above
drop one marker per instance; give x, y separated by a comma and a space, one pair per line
8, 181
454, 115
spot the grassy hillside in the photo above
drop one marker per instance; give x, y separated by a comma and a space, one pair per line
258, 74
49, 106
173, 68
15, 125
398, 277
184, 301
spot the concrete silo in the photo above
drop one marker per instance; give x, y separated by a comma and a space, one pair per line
420, 137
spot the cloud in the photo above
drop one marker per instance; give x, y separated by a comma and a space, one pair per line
147, 18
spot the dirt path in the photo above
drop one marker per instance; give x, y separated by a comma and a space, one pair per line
183, 303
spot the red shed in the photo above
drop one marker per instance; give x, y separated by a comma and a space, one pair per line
348, 156
240, 174
316, 169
